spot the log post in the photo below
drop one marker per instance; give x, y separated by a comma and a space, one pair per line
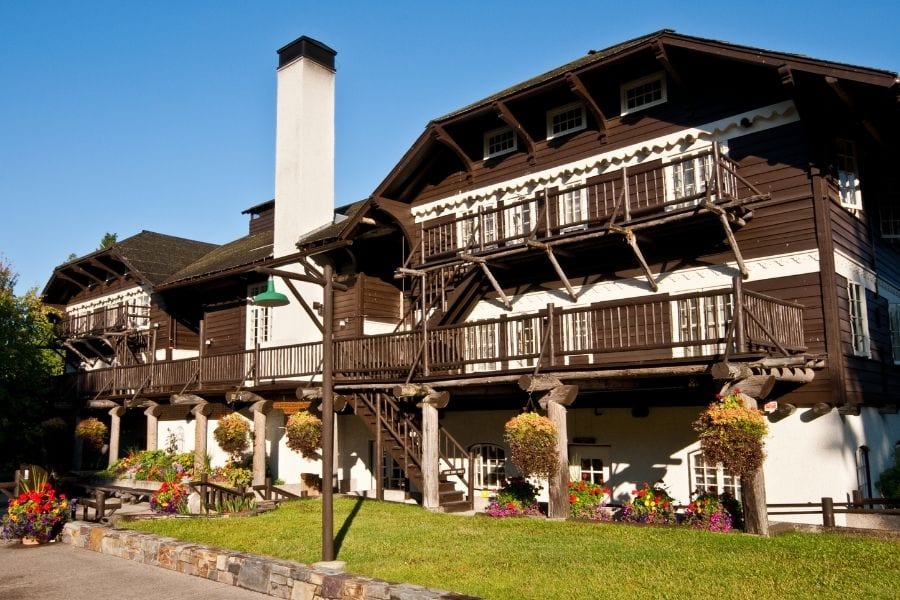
260, 410
152, 414
115, 429
828, 512
430, 457
555, 403
201, 414
753, 492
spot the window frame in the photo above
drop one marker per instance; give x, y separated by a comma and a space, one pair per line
723, 480
705, 314
847, 173
860, 340
255, 314
488, 467
635, 83
496, 133
563, 109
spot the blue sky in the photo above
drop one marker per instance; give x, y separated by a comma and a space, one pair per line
120, 115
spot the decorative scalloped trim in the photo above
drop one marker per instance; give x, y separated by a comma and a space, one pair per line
759, 119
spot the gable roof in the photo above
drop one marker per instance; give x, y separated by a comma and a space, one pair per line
658, 40
148, 257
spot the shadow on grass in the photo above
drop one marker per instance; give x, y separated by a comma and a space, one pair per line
342, 533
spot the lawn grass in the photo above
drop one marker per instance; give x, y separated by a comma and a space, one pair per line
540, 559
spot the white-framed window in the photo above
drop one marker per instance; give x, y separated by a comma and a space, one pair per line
477, 229
894, 318
712, 478
490, 466
686, 177
520, 220
565, 119
522, 340
481, 346
589, 462
572, 210
643, 93
698, 319
848, 174
499, 141
859, 326
577, 330
259, 318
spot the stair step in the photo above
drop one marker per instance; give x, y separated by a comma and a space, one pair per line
460, 506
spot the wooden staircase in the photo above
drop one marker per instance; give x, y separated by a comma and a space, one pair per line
402, 439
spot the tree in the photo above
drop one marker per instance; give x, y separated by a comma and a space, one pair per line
107, 240
26, 367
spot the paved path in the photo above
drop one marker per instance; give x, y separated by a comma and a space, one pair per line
60, 572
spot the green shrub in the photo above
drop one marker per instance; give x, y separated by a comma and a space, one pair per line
889, 482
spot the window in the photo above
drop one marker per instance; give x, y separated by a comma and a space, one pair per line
703, 318
519, 221
490, 466
688, 177
565, 119
890, 217
572, 209
712, 478
481, 346
577, 330
592, 470
643, 93
894, 317
848, 175
863, 472
259, 318
499, 141
478, 229
522, 341
859, 327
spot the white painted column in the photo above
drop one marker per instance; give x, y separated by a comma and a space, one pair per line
152, 414
201, 414
260, 410
115, 428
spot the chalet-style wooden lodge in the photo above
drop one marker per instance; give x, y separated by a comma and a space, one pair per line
615, 241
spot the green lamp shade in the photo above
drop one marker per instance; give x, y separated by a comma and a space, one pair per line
270, 298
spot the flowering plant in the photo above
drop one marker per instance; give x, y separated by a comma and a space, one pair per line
38, 512
708, 512
153, 465
170, 498
93, 431
649, 504
588, 500
304, 433
517, 497
233, 474
531, 439
232, 433
732, 434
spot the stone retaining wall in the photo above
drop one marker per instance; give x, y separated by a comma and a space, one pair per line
279, 578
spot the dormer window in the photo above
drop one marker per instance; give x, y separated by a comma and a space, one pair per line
499, 142
564, 120
643, 93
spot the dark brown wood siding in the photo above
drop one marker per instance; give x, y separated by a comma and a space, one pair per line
224, 329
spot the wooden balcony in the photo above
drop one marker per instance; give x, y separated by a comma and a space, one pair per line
694, 328
639, 194
120, 317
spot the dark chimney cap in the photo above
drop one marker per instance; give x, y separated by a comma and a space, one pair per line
309, 48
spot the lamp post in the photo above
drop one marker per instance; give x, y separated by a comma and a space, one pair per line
272, 298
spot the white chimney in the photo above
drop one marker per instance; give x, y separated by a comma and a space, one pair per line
304, 141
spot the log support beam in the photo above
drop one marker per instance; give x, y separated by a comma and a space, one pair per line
552, 258
152, 413
732, 242
430, 455
260, 411
555, 402
578, 88
186, 399
201, 413
507, 117
440, 134
490, 276
631, 240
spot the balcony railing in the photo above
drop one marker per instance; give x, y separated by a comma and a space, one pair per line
656, 329
622, 196
119, 317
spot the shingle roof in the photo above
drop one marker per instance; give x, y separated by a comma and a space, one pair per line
248, 250
157, 256
333, 230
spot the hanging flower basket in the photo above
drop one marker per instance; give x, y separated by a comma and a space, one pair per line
92, 431
531, 440
232, 433
732, 434
304, 434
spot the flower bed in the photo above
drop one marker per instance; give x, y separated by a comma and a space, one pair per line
38, 513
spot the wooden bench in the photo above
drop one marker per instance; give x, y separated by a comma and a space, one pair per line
104, 505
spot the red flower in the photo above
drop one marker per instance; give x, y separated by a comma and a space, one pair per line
573, 498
